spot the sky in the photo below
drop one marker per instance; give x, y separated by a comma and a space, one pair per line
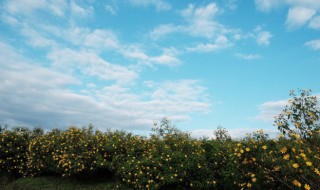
126, 64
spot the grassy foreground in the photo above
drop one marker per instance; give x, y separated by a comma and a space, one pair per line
50, 182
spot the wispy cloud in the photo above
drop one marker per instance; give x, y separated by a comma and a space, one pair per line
315, 23
248, 56
234, 133
163, 30
267, 5
268, 110
89, 63
220, 43
28, 7
79, 10
110, 9
42, 96
262, 37
300, 12
168, 57
313, 44
160, 5
203, 19
298, 16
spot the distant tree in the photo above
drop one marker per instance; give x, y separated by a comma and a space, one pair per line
37, 131
301, 116
165, 127
221, 134
3, 128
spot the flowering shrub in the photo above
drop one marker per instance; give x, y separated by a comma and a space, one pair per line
13, 150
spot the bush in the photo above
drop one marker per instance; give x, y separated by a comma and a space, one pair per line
13, 150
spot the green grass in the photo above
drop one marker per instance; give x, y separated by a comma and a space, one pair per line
54, 183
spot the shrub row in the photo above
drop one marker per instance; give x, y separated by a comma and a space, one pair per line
171, 161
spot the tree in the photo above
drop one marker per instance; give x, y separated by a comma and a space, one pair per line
300, 116
165, 128
221, 134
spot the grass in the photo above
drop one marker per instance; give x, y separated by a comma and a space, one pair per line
54, 183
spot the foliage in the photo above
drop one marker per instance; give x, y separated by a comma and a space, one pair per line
221, 134
166, 128
301, 116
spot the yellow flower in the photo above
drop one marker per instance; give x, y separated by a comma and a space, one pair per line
264, 147
317, 171
276, 168
247, 149
307, 187
249, 185
284, 150
295, 165
286, 157
254, 180
296, 183
309, 163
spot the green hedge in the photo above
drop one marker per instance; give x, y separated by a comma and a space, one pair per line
158, 162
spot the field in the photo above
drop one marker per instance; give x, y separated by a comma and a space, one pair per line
52, 183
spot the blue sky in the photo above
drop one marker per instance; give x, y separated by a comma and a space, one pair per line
124, 64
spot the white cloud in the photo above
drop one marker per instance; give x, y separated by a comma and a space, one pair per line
315, 23
91, 64
267, 5
268, 110
248, 56
299, 11
10, 20
163, 30
168, 57
312, 4
263, 38
100, 38
202, 20
220, 43
234, 133
313, 44
110, 9
160, 5
80, 11
36, 39
231, 4
34, 95
26, 7
298, 16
